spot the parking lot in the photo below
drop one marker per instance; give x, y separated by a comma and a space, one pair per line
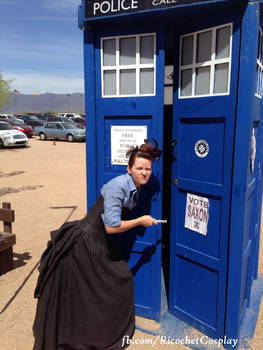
46, 186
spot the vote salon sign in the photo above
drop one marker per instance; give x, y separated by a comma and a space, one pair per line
102, 8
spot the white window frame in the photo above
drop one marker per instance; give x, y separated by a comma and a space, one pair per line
137, 66
211, 63
259, 86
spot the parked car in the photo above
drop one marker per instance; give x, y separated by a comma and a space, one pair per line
15, 117
59, 118
19, 125
28, 118
11, 137
44, 116
78, 120
3, 116
34, 123
66, 115
55, 118
61, 131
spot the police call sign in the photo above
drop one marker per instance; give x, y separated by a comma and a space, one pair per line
102, 8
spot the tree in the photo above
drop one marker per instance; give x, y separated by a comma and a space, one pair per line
5, 91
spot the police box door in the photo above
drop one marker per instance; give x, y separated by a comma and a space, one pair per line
129, 75
203, 133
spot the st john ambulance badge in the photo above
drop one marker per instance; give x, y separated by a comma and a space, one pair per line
201, 148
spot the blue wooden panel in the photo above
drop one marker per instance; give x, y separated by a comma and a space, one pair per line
91, 133
138, 120
210, 244
198, 278
211, 130
197, 295
244, 185
141, 247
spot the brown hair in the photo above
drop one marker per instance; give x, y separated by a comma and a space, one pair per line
146, 150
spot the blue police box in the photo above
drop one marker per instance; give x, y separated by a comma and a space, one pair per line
189, 74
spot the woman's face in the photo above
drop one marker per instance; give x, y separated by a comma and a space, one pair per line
140, 171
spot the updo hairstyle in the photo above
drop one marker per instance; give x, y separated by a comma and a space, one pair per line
146, 150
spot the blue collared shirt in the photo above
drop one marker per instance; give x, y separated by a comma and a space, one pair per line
118, 193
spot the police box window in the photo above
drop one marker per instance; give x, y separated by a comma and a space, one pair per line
205, 62
128, 65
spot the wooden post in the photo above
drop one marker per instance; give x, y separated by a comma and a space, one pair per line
6, 254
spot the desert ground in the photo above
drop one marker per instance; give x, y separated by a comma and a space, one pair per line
46, 186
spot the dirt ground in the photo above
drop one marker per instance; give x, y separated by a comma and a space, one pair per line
46, 185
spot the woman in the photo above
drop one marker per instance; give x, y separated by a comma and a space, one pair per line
85, 288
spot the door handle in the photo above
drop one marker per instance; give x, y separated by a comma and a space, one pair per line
174, 143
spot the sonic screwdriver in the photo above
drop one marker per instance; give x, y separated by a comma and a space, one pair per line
161, 221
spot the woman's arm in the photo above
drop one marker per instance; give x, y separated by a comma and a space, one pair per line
145, 220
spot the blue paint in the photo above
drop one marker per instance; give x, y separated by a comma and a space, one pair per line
213, 284
198, 272
174, 328
239, 272
141, 247
91, 149
161, 11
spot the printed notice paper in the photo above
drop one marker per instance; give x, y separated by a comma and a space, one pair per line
124, 136
196, 213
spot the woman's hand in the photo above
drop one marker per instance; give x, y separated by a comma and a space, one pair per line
147, 220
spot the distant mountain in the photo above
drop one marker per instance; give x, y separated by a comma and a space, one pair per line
20, 103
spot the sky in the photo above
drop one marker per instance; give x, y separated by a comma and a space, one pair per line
41, 46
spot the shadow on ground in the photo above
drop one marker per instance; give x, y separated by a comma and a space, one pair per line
9, 190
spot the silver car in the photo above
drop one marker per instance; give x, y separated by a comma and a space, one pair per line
61, 131
10, 137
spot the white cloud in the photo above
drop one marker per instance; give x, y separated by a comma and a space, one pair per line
27, 83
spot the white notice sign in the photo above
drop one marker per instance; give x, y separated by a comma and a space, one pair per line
122, 137
196, 213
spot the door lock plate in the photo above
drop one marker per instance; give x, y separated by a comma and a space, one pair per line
175, 181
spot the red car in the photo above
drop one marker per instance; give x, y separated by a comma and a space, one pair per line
78, 120
19, 125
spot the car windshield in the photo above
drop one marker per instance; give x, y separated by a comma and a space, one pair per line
17, 122
69, 126
5, 126
33, 117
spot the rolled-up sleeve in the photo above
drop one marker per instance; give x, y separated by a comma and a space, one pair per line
113, 201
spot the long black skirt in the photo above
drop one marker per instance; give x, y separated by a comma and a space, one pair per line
84, 290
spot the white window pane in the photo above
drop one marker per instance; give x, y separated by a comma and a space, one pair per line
110, 82
187, 50
222, 42
259, 45
221, 78
204, 46
109, 52
128, 51
186, 82
257, 89
147, 81
260, 83
147, 49
202, 86
128, 82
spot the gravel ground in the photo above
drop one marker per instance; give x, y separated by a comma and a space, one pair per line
46, 186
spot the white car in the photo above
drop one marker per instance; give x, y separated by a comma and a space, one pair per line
11, 137
70, 115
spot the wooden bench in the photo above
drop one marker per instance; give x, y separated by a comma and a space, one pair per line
7, 238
